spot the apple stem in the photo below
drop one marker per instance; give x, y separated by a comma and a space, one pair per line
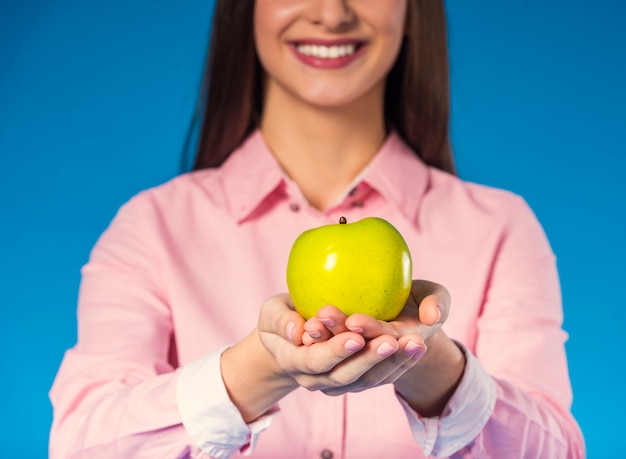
342, 220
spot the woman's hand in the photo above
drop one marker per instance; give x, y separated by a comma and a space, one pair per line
426, 383
345, 354
426, 310
347, 361
351, 353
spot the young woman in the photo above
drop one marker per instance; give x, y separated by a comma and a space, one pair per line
316, 109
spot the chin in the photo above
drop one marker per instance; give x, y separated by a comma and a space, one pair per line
338, 100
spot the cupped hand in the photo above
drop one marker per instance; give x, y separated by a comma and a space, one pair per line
426, 309
347, 361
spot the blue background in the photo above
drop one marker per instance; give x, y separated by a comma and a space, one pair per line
96, 97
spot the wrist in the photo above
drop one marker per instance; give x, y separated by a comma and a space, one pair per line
431, 382
253, 379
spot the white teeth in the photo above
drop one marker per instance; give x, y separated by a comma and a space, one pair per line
326, 52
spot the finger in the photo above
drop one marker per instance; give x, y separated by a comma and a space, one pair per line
324, 356
437, 307
373, 353
333, 319
376, 365
315, 331
430, 310
413, 349
412, 346
279, 317
307, 340
369, 327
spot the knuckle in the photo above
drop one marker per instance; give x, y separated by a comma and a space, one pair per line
311, 384
336, 380
342, 379
315, 366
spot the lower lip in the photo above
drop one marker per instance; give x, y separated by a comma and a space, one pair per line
329, 63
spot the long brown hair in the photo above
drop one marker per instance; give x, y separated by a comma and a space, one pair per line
417, 99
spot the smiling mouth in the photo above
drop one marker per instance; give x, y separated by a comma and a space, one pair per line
327, 52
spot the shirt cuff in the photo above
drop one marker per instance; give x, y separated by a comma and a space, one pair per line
208, 414
465, 415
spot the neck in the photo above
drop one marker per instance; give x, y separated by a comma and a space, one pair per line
322, 149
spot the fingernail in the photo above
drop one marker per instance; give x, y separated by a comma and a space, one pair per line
353, 345
328, 322
385, 350
315, 334
289, 330
419, 354
416, 351
357, 330
411, 347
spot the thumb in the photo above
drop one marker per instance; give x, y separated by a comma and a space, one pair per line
433, 301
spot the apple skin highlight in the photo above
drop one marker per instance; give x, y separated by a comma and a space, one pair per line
361, 267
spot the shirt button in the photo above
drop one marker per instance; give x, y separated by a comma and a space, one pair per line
327, 454
294, 206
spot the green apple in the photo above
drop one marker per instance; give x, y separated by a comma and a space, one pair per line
362, 267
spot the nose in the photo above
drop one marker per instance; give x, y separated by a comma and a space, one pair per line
333, 15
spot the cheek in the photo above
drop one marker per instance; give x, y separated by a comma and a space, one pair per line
394, 24
271, 19
260, 23
389, 18
265, 40
275, 16
393, 27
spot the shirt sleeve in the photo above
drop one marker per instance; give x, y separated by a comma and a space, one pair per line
118, 390
464, 417
514, 398
209, 416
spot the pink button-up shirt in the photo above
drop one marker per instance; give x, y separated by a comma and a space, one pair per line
183, 268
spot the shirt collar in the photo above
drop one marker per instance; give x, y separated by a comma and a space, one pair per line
251, 175
399, 175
